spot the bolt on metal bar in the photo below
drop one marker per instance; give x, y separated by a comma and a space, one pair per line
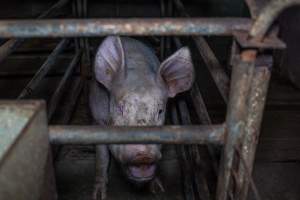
256, 106
48, 64
62, 85
217, 72
132, 26
135, 135
267, 16
11, 45
236, 115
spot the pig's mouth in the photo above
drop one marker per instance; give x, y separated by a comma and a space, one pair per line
140, 173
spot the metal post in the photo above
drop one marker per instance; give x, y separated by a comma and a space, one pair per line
35, 81
236, 117
256, 106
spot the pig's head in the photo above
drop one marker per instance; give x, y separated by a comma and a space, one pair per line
138, 98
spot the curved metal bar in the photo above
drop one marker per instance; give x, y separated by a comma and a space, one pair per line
268, 15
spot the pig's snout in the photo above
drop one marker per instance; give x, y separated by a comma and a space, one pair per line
143, 163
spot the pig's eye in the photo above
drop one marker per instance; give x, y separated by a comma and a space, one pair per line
160, 111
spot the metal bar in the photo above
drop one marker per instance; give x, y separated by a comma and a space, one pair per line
62, 85
32, 85
194, 154
127, 135
201, 111
188, 189
235, 120
267, 16
248, 175
74, 96
216, 70
11, 45
132, 26
256, 106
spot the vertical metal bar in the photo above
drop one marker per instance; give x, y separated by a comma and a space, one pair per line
256, 106
48, 64
61, 87
196, 161
185, 170
236, 115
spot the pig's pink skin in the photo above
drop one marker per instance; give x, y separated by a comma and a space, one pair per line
134, 92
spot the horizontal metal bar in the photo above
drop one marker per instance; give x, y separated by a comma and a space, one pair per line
132, 26
135, 135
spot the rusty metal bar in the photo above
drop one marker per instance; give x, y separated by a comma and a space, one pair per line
256, 106
11, 45
216, 70
267, 16
62, 85
132, 26
127, 135
236, 115
33, 84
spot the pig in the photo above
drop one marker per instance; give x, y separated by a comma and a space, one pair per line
131, 88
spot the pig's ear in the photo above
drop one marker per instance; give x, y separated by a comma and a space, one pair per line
109, 60
177, 71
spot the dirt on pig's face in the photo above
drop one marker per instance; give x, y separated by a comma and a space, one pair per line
138, 107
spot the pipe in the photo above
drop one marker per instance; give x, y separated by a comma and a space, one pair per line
258, 93
242, 74
132, 26
35, 81
62, 85
87, 135
267, 16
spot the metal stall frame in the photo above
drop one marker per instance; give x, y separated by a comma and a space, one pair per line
247, 92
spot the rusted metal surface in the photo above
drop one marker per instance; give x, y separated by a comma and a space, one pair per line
132, 26
269, 42
236, 115
48, 64
23, 130
11, 45
256, 106
267, 16
127, 135
216, 70
62, 85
